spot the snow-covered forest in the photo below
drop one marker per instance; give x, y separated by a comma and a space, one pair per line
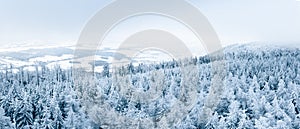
261, 90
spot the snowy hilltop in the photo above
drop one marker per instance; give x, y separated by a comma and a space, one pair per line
259, 88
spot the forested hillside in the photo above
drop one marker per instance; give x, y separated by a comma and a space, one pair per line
260, 89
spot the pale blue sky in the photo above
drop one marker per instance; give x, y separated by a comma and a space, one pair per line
60, 22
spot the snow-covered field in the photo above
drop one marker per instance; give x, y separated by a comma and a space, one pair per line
28, 57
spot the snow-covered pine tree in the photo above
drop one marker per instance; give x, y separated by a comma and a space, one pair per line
5, 122
47, 121
23, 114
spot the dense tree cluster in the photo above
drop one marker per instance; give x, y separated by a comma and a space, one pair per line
40, 99
261, 90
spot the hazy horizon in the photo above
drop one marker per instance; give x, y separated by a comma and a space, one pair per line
50, 23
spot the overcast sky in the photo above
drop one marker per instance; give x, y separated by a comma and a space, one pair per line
50, 22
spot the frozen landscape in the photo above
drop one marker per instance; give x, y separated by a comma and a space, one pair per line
150, 64
261, 89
